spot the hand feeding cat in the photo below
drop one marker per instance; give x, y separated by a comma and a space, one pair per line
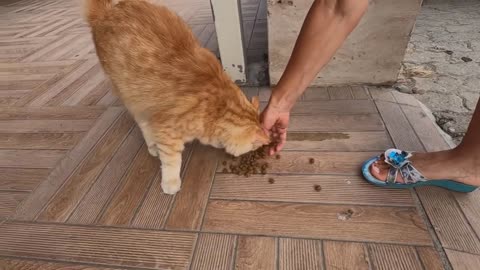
176, 90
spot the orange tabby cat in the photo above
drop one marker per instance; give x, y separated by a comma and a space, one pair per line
176, 90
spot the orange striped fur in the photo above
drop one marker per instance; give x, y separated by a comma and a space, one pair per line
176, 90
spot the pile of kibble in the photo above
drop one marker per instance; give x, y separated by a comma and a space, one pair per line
254, 163
247, 164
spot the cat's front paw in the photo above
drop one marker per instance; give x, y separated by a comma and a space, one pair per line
171, 186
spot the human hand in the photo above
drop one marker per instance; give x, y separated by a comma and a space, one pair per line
274, 120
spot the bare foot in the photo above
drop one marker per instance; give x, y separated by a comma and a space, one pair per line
450, 164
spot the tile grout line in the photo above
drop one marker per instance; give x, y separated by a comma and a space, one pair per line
418, 203
368, 256
76, 167
99, 174
413, 206
422, 211
464, 215
369, 252
462, 251
117, 187
194, 251
73, 263
277, 252
144, 197
235, 250
417, 256
204, 210
79, 165
173, 198
92, 226
322, 254
29, 97
15, 191
438, 246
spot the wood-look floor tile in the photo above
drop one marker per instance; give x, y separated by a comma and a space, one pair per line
302, 188
346, 255
214, 251
394, 257
351, 222
300, 254
255, 252
99, 245
70, 194
190, 203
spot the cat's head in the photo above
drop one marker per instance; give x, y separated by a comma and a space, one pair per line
245, 133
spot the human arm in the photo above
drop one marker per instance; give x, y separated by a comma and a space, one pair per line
326, 26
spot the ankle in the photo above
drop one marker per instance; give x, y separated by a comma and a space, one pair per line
466, 163
468, 149
465, 154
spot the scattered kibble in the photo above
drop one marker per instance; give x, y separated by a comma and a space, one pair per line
345, 215
250, 163
271, 180
311, 160
466, 59
277, 157
317, 188
224, 163
449, 52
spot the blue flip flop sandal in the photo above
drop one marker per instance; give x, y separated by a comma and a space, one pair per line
400, 163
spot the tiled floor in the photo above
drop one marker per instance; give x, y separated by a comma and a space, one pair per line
78, 189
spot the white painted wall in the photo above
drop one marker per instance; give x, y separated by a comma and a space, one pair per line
372, 54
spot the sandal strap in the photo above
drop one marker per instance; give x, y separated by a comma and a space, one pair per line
392, 175
399, 162
411, 175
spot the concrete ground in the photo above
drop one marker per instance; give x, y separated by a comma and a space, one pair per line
442, 63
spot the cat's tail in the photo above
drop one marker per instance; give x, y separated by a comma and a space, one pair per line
95, 10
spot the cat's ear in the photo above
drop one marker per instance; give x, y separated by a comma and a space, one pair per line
255, 102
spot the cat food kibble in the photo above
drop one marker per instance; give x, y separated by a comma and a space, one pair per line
277, 156
311, 160
345, 215
317, 188
249, 163
271, 180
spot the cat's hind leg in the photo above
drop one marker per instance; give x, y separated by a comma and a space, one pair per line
149, 138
